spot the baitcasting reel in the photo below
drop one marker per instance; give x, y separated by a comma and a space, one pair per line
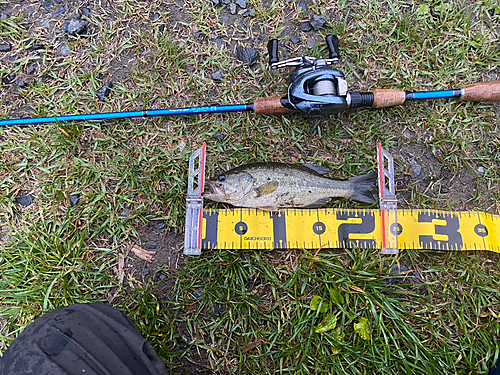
316, 88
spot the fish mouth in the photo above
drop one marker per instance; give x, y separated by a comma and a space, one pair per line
212, 188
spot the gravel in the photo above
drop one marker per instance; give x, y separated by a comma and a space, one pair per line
248, 56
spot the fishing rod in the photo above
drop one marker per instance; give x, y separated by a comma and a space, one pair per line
315, 89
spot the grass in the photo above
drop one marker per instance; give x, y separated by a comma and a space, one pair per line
250, 312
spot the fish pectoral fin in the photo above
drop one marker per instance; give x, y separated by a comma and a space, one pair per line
319, 203
267, 188
317, 168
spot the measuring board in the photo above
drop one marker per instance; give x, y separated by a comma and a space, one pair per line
387, 228
337, 228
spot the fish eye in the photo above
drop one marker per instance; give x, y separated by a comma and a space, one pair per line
222, 178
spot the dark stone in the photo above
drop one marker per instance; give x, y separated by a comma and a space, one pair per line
7, 79
25, 200
5, 47
302, 6
416, 169
196, 34
151, 245
47, 4
248, 56
219, 136
86, 12
31, 69
224, 19
58, 1
73, 199
444, 190
3, 17
155, 16
294, 40
317, 22
226, 2
232, 8
218, 42
402, 275
159, 276
75, 27
198, 293
104, 91
217, 76
60, 11
305, 26
216, 2
64, 50
241, 3
145, 271
20, 82
161, 225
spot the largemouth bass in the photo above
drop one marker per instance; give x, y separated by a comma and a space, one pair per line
271, 186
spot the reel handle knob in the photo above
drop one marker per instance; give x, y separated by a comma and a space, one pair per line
332, 43
272, 48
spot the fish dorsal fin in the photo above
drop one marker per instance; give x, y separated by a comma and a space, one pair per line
319, 203
267, 188
316, 168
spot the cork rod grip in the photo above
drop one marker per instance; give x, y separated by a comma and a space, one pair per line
387, 98
482, 92
271, 106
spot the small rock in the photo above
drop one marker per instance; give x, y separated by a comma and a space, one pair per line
416, 169
402, 276
20, 82
310, 43
305, 26
196, 34
224, 20
317, 22
161, 225
241, 3
294, 40
58, 1
7, 79
64, 50
155, 16
198, 293
216, 2
125, 212
75, 27
60, 11
480, 169
232, 8
219, 136
46, 24
57, 31
302, 6
3, 17
104, 91
145, 271
73, 199
5, 47
226, 2
218, 42
217, 76
248, 56
24, 200
159, 276
47, 4
444, 190
31, 69
151, 245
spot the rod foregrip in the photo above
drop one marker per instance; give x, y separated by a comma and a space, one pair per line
387, 98
482, 92
271, 106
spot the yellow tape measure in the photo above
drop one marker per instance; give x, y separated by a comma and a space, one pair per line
338, 228
387, 228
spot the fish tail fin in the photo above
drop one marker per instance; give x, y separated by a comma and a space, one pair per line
362, 186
